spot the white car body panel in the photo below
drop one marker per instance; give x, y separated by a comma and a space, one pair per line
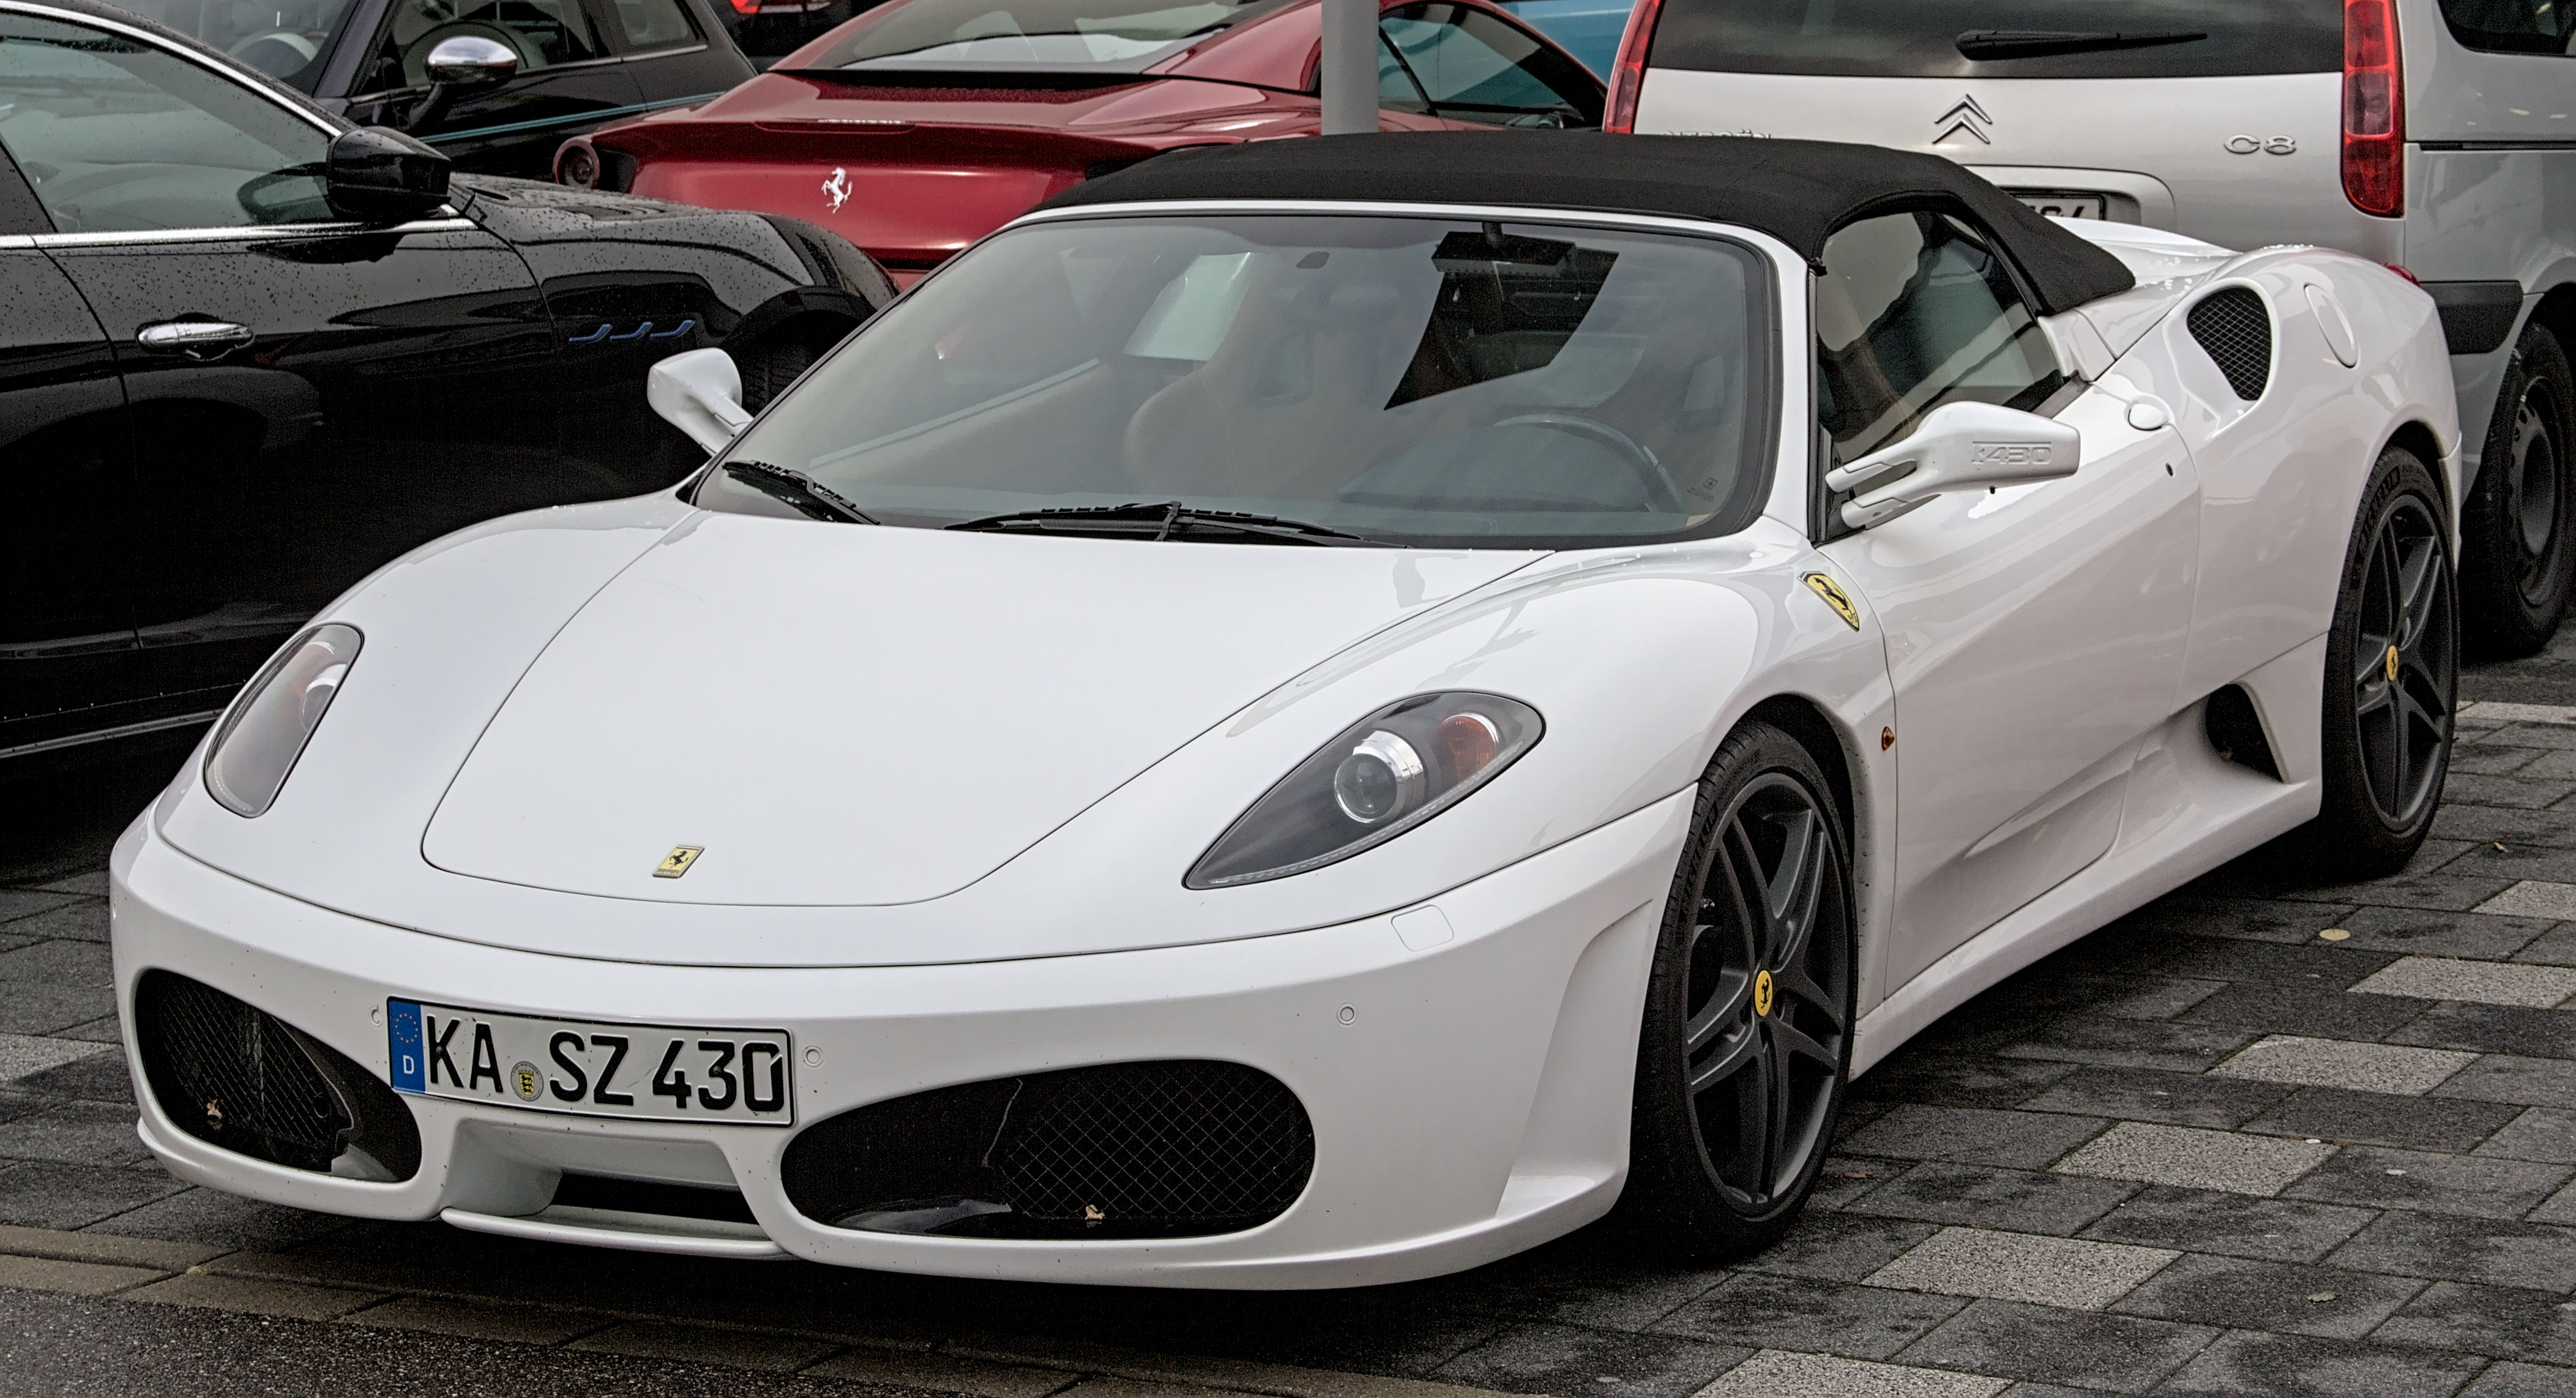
476, 822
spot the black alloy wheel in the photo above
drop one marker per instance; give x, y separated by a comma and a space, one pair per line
2392, 675
2521, 567
1747, 1031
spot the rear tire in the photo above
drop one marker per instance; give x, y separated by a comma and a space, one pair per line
2391, 681
2521, 562
1746, 1041
769, 368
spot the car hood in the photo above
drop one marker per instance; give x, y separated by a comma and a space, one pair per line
850, 716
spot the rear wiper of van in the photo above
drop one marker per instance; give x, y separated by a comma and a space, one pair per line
2042, 43
1168, 520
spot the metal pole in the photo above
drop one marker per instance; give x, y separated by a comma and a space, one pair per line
1350, 66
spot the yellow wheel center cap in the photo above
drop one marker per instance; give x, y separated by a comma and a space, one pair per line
1762, 992
2392, 664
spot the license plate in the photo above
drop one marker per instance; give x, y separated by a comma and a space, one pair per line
651, 1071
2061, 204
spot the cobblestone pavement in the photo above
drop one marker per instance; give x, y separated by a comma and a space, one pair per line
2261, 1137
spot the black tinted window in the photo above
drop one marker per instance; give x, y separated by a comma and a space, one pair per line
2513, 26
2006, 38
1466, 65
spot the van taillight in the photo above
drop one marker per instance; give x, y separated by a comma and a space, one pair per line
1628, 74
2374, 109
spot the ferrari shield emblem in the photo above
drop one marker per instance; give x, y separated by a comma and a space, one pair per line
1835, 598
2392, 664
1762, 992
677, 862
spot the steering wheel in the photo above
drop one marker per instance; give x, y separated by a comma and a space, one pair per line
277, 46
1662, 494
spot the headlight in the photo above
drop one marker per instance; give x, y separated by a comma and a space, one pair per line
1383, 776
275, 717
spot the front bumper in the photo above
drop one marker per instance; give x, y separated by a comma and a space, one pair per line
1469, 1098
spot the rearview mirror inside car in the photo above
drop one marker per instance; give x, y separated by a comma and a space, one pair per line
700, 393
376, 175
1958, 446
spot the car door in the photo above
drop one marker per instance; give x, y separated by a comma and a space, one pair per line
305, 398
1465, 67
675, 50
2034, 633
569, 80
66, 556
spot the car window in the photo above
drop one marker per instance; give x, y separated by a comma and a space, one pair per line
2513, 26
1117, 35
544, 33
2003, 38
1912, 311
286, 39
651, 24
1404, 379
1466, 65
118, 136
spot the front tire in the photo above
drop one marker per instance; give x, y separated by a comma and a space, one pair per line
2392, 676
2521, 564
1746, 1041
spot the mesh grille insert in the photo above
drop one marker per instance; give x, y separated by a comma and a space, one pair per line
242, 1079
2234, 326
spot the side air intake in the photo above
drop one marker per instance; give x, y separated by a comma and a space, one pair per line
237, 1077
2235, 327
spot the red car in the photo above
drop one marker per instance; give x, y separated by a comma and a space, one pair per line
922, 125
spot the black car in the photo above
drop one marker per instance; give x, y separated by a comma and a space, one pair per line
249, 353
496, 84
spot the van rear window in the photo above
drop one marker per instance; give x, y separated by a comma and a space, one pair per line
2002, 38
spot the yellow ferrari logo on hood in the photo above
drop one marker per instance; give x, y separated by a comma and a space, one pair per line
677, 862
1835, 598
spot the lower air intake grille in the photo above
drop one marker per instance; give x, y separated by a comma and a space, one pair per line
242, 1079
1182, 1148
2233, 325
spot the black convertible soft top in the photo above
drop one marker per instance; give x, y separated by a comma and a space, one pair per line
1796, 191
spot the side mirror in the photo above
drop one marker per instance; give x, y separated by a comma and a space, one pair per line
1959, 446
700, 393
470, 60
377, 175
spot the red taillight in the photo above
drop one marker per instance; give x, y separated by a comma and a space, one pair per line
2374, 109
1628, 74
746, 7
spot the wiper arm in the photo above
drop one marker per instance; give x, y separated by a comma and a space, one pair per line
796, 489
1168, 520
2042, 43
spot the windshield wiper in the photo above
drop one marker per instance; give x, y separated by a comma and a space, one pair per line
2042, 43
797, 490
1168, 520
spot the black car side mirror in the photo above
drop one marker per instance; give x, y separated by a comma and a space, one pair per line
377, 175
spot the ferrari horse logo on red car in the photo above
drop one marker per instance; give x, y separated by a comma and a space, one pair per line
837, 189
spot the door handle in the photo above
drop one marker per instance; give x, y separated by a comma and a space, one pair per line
197, 339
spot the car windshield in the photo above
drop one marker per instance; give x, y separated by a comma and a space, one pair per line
2002, 38
1047, 34
282, 38
1401, 380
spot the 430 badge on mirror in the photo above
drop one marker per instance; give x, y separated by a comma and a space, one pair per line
623, 1070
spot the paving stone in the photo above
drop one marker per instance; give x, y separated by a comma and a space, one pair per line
2337, 1063
2493, 983
2495, 712
2538, 1133
65, 1246
942, 1373
104, 1030
71, 1196
1570, 1362
23, 1055
2025, 1140
2029, 1201
2536, 1082
91, 882
2480, 1028
2509, 859
526, 1325
1956, 1082
2023, 1267
2534, 898
2146, 1094
734, 1349
2332, 967
1778, 1374
1845, 1178
2285, 1298
2045, 1344
2310, 1008
2130, 1043
2561, 1208
80, 919
1794, 1313
255, 1295
2377, 1118
96, 1077
2555, 947
2523, 1381
2521, 791
79, 1278
2048, 990
2298, 1366
1566, 1282
2497, 1251
2513, 829
1839, 1247
16, 903
2252, 919
2235, 1225
2487, 760
2483, 1186
2191, 1158
47, 986
2443, 890
2543, 736
226, 1220
2504, 1321
2421, 932
75, 1133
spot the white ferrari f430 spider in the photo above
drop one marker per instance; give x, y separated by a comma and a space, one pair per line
1310, 714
